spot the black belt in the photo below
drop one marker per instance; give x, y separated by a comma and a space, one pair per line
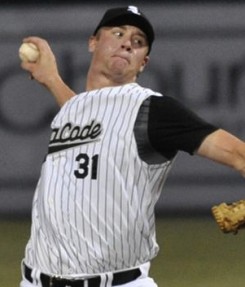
119, 278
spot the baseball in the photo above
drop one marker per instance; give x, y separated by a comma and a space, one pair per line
28, 52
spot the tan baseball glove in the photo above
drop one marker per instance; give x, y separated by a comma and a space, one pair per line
230, 217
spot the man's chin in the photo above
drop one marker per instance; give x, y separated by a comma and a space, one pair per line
119, 64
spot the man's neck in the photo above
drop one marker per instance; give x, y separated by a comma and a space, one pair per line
97, 81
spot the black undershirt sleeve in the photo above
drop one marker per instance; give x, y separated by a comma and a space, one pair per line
173, 127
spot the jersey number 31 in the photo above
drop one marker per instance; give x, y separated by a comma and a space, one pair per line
87, 166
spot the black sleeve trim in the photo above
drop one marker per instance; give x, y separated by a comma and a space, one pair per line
173, 127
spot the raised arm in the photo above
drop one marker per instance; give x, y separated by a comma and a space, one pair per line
45, 71
224, 148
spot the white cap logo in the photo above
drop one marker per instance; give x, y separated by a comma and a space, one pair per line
133, 9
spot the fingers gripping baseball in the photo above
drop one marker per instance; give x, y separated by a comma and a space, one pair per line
38, 59
29, 52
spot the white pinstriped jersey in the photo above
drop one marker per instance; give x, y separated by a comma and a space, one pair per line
93, 209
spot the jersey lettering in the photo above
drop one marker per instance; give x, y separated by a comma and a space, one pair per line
71, 133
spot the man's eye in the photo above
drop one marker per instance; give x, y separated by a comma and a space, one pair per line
139, 42
118, 34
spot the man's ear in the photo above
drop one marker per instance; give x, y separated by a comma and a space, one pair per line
91, 44
144, 63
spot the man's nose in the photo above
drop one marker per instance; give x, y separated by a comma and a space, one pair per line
127, 45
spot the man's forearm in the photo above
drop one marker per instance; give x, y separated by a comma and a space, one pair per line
60, 91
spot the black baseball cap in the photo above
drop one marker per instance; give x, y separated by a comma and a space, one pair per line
130, 15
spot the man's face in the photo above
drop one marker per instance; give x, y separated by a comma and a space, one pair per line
120, 52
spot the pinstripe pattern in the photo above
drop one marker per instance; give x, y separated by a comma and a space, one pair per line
93, 210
